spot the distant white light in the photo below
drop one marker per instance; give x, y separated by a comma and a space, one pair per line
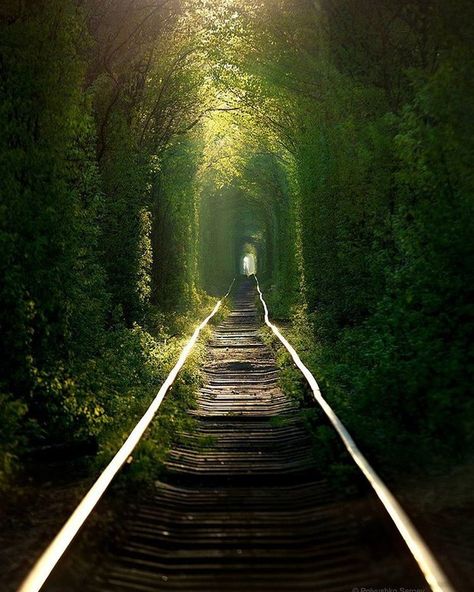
248, 264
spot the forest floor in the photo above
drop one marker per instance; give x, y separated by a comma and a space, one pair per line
32, 515
442, 507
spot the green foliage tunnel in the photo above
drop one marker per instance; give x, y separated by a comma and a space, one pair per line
145, 147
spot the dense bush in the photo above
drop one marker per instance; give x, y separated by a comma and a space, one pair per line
384, 162
79, 172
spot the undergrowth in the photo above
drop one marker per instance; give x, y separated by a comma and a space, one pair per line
110, 393
172, 420
331, 460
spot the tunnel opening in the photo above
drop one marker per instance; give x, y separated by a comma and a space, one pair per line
234, 238
246, 222
248, 260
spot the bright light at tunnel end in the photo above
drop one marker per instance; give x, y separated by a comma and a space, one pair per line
248, 265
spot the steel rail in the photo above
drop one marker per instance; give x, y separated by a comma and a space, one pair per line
56, 549
432, 571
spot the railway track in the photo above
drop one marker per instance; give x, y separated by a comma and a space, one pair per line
250, 509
